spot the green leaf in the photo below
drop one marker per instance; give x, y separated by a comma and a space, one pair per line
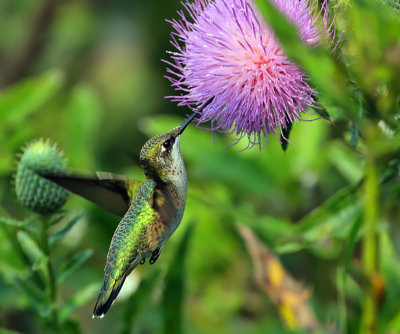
394, 325
285, 136
395, 4
341, 200
11, 222
322, 112
172, 303
316, 231
386, 146
77, 300
57, 217
132, 308
83, 114
389, 266
353, 133
353, 238
347, 162
18, 101
35, 294
25, 224
59, 235
8, 331
72, 264
32, 250
270, 229
71, 326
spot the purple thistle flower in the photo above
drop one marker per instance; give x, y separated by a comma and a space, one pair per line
225, 50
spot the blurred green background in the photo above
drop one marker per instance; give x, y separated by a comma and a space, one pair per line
87, 75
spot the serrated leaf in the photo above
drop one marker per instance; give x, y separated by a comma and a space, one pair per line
60, 234
72, 264
77, 300
32, 250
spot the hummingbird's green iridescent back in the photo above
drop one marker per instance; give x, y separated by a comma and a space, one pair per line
129, 245
151, 210
155, 213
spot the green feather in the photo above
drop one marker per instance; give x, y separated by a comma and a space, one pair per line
127, 244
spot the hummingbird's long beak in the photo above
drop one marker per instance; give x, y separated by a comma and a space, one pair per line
191, 117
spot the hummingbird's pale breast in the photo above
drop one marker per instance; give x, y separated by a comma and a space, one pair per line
170, 196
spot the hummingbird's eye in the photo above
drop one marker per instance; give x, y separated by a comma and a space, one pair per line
168, 143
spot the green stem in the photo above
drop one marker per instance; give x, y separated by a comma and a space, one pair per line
52, 288
11, 236
341, 284
369, 250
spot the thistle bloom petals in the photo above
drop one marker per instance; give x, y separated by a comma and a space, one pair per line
225, 50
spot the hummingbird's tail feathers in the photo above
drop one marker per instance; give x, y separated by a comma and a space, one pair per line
107, 296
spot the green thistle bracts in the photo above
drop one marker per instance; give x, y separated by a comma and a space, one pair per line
33, 191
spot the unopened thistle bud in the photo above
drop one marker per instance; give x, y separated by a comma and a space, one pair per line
33, 191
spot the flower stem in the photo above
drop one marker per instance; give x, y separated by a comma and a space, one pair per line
341, 284
52, 288
369, 247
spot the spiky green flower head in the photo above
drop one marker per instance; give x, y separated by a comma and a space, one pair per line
395, 4
160, 156
33, 191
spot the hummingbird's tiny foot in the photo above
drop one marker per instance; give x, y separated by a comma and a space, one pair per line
155, 256
142, 261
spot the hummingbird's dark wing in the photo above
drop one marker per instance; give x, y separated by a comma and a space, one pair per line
112, 192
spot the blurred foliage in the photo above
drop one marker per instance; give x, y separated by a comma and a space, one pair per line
88, 75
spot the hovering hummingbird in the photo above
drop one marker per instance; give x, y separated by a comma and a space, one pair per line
151, 210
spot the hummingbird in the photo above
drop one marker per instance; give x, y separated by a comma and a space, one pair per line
151, 210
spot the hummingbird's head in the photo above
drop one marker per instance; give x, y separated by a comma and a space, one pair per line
160, 156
